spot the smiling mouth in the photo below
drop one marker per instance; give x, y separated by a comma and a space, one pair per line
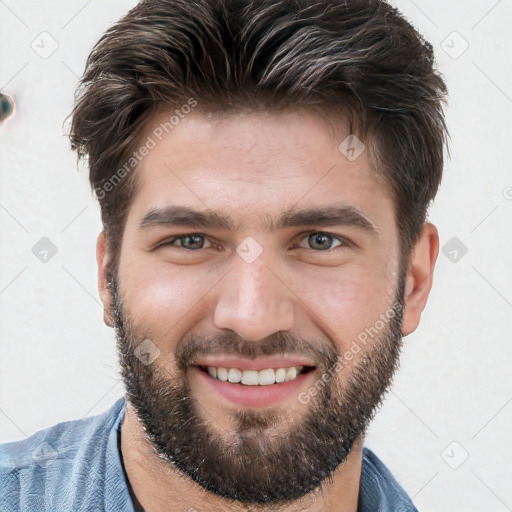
264, 377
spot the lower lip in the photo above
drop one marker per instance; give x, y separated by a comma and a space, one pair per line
257, 396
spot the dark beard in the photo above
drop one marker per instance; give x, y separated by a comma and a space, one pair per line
266, 459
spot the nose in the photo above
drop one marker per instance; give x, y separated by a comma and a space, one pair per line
253, 301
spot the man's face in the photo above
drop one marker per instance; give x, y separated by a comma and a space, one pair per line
267, 288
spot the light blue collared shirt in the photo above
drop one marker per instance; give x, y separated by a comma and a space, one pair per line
77, 466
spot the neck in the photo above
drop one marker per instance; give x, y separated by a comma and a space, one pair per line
157, 485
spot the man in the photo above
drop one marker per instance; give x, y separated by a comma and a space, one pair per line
263, 169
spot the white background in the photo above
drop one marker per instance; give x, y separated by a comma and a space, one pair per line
452, 396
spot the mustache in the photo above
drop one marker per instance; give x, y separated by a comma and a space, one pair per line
192, 347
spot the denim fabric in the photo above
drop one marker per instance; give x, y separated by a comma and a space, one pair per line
76, 466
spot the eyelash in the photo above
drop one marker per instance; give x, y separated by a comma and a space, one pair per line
344, 242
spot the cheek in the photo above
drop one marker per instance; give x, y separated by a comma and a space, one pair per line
347, 302
161, 300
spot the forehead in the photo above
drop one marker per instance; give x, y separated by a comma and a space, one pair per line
254, 165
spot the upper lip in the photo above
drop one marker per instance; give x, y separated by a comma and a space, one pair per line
261, 363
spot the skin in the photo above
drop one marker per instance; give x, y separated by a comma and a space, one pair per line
251, 165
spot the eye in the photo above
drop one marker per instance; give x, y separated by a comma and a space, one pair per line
321, 241
193, 242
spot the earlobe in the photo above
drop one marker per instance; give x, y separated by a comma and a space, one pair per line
419, 277
103, 261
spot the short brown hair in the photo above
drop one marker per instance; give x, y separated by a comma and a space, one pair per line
359, 55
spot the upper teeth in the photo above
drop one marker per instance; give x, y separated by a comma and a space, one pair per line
254, 377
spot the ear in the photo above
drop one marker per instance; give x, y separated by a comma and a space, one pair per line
418, 280
103, 260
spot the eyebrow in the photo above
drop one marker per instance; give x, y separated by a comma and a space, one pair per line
209, 219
